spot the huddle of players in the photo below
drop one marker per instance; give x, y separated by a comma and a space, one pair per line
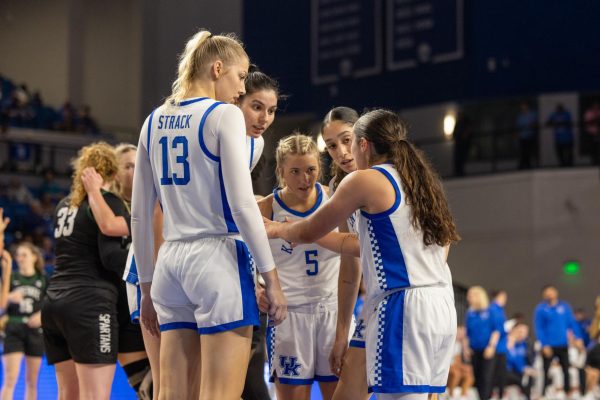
401, 233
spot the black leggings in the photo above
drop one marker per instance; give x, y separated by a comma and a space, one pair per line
255, 387
500, 374
562, 353
483, 370
513, 378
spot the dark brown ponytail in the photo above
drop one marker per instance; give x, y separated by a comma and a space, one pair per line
386, 131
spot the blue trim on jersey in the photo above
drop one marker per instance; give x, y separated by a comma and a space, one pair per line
135, 316
388, 254
178, 325
226, 327
298, 213
326, 378
408, 389
394, 207
191, 101
231, 226
249, 303
149, 131
251, 151
289, 381
132, 276
201, 132
359, 344
270, 349
391, 334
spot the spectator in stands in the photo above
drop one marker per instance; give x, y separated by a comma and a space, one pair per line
519, 360
483, 332
554, 323
86, 124
461, 370
562, 123
462, 142
591, 127
527, 130
50, 186
497, 308
67, 119
592, 369
17, 192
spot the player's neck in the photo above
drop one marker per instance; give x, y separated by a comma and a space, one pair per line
201, 89
297, 203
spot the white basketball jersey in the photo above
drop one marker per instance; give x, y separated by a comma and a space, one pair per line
255, 149
392, 251
308, 273
177, 150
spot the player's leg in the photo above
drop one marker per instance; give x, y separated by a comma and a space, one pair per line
327, 389
32, 372
12, 367
224, 363
95, 380
152, 345
67, 381
353, 380
179, 354
292, 392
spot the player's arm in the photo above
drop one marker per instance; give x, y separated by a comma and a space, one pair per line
142, 209
231, 134
6, 273
108, 223
344, 243
348, 286
349, 197
113, 253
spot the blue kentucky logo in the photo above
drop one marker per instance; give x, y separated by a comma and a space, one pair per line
290, 366
286, 249
358, 331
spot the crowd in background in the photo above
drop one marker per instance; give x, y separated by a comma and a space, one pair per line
21, 108
561, 360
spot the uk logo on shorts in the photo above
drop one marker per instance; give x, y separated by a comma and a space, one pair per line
105, 337
359, 330
290, 366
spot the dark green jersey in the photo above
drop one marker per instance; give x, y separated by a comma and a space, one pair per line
32, 289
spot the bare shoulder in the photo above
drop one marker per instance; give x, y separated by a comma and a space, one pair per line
265, 205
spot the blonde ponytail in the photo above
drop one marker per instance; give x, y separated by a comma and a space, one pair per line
200, 51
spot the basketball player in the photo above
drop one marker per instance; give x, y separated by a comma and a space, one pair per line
259, 105
300, 346
405, 228
79, 312
192, 159
347, 359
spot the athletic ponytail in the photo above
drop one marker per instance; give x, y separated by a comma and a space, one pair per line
387, 132
200, 51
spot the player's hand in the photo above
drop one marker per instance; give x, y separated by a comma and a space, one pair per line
262, 299
547, 351
148, 316
92, 180
6, 265
15, 297
272, 228
35, 321
3, 221
336, 357
277, 304
489, 352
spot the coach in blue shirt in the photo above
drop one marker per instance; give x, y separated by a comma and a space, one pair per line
497, 309
483, 332
554, 322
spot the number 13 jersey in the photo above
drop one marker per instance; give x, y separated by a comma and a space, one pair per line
308, 272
